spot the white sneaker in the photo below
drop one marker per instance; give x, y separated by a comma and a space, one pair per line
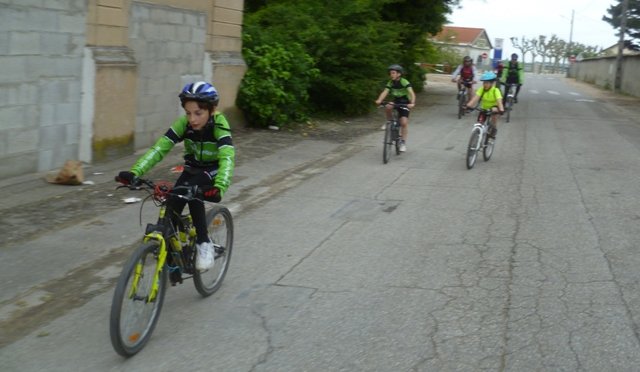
204, 261
403, 147
383, 127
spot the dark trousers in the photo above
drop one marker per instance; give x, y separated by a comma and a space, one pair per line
196, 207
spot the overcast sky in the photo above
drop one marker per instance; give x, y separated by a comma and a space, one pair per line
507, 18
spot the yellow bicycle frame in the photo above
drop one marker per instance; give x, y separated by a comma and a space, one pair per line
162, 257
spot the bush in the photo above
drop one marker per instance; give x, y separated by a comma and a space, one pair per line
274, 89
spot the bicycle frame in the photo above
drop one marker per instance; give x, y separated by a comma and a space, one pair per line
392, 130
162, 254
162, 259
479, 138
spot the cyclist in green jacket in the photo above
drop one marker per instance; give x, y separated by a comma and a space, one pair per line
512, 73
400, 89
209, 159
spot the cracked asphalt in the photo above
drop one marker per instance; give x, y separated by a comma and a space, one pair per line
528, 262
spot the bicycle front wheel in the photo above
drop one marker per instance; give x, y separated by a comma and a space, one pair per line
386, 145
462, 102
220, 228
487, 151
509, 108
135, 307
474, 146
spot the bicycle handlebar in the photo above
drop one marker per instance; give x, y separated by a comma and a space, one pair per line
484, 111
400, 106
161, 190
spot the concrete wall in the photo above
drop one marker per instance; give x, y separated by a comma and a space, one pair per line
41, 58
602, 72
169, 47
95, 79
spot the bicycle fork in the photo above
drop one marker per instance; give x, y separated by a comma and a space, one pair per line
162, 258
482, 129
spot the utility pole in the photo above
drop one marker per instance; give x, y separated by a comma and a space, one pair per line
623, 25
573, 12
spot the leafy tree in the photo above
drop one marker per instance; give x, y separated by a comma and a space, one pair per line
351, 43
632, 24
274, 89
533, 51
417, 18
543, 48
584, 50
558, 51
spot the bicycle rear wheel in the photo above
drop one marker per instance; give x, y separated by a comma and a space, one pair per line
474, 146
487, 151
133, 313
220, 228
386, 145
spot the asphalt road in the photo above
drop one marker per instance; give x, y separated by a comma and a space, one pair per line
526, 262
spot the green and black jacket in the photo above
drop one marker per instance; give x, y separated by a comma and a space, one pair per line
399, 90
210, 149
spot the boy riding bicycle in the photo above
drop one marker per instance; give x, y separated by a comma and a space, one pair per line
400, 89
209, 159
491, 99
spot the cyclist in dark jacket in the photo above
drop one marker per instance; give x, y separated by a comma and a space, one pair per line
209, 159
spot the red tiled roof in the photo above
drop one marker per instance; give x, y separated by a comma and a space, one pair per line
458, 35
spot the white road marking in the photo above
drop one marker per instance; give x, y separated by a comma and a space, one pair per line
575, 94
553, 92
585, 100
534, 91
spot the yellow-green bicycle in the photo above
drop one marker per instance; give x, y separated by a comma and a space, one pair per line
167, 253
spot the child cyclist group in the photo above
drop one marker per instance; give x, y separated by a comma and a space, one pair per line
488, 96
210, 156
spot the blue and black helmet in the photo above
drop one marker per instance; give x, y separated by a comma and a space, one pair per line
488, 76
200, 91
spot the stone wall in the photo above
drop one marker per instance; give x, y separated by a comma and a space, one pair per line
94, 80
41, 56
602, 72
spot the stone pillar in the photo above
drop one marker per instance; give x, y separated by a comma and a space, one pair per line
114, 102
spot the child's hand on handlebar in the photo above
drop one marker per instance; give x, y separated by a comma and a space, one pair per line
127, 178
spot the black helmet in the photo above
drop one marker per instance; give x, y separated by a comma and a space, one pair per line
467, 59
396, 68
201, 92
514, 56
